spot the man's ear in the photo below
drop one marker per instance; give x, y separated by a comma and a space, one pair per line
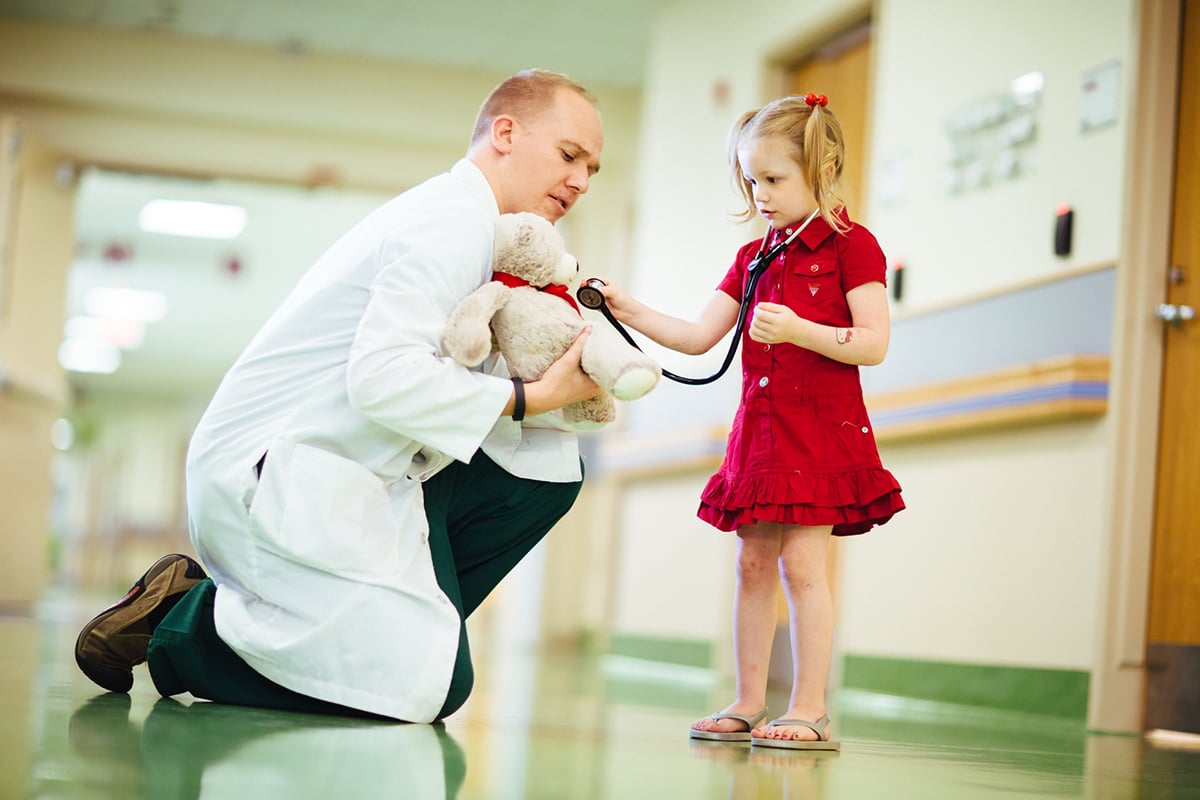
503, 127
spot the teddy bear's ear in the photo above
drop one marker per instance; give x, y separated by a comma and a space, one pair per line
524, 234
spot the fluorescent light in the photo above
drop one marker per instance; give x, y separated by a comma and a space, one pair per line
83, 355
124, 333
125, 304
192, 218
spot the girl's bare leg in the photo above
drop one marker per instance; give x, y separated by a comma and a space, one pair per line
754, 617
802, 568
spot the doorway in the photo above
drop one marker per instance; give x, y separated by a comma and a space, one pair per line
1173, 624
840, 70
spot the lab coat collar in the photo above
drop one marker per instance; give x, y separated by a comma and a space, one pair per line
476, 184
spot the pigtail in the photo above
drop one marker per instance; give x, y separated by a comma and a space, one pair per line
823, 150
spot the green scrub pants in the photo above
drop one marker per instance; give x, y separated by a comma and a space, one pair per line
482, 521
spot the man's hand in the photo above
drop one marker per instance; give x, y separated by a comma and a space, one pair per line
562, 383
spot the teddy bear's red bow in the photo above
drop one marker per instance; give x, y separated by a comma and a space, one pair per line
512, 282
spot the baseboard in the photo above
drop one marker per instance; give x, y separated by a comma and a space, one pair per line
686, 652
1048, 692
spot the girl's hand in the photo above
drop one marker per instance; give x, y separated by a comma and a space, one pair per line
619, 302
774, 323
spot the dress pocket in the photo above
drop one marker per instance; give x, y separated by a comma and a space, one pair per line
850, 436
813, 282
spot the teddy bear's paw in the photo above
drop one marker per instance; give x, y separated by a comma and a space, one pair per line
595, 412
634, 383
587, 425
467, 344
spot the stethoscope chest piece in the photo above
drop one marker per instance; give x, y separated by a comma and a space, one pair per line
589, 294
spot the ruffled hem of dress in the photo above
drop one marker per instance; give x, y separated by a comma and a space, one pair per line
852, 502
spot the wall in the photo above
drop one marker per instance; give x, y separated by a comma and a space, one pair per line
143, 101
933, 58
33, 264
988, 512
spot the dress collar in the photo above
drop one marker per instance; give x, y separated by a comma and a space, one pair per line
817, 231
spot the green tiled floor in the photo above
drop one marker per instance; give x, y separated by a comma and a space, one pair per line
538, 726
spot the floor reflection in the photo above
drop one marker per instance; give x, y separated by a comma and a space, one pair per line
185, 751
539, 725
763, 772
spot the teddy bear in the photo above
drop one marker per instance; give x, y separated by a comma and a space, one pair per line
527, 314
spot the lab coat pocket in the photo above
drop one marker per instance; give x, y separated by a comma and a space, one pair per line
327, 513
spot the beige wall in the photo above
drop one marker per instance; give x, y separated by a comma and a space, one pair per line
143, 101
36, 208
938, 581
656, 220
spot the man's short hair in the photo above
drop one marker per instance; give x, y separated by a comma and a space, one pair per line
524, 94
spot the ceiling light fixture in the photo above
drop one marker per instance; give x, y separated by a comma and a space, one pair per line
127, 334
145, 305
85, 355
192, 218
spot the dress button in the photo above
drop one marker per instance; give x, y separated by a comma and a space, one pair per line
766, 348
814, 268
866, 429
763, 381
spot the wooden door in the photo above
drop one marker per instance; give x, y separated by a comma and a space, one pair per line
840, 71
1173, 628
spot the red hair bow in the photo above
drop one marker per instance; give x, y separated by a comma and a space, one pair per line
816, 99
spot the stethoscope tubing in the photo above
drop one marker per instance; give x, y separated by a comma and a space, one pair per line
586, 294
591, 297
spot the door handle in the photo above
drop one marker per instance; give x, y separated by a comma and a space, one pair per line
1175, 314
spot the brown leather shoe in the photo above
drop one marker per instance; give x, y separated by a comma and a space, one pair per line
116, 639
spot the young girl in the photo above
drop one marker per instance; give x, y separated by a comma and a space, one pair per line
801, 462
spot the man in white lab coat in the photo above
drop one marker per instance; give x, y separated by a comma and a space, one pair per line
353, 494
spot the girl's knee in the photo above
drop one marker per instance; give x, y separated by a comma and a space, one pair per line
802, 576
755, 565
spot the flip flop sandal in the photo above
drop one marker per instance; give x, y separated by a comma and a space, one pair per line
820, 728
731, 736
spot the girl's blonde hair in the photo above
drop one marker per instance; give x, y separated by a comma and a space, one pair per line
816, 138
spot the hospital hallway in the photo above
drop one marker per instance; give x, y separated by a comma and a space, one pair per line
537, 726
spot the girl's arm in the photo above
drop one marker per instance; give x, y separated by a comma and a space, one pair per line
691, 338
864, 343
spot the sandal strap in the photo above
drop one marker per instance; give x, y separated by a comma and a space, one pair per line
750, 722
820, 727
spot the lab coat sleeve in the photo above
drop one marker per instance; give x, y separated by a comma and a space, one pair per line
396, 375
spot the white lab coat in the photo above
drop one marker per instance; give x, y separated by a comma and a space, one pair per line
324, 579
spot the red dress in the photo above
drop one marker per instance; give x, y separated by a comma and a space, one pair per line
801, 450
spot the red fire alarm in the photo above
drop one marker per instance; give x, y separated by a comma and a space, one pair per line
1064, 216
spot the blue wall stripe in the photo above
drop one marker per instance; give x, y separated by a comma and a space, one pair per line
1092, 390
1072, 316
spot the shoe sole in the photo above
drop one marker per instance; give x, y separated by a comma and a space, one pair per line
718, 736
137, 603
795, 744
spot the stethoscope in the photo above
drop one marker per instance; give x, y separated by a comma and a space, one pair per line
590, 296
